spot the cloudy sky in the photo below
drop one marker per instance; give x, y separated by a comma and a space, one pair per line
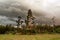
42, 10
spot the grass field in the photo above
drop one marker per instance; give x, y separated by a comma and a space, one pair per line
30, 37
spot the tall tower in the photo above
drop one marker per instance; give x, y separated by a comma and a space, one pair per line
29, 21
29, 13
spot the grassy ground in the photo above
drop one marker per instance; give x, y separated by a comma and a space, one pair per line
30, 37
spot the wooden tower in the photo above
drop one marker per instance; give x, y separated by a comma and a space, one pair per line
29, 21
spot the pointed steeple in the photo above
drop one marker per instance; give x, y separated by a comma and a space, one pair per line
29, 13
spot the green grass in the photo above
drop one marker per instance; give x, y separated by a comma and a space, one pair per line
30, 37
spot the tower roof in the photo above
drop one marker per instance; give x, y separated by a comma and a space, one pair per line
29, 12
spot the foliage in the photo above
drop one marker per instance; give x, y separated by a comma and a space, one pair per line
35, 30
6, 29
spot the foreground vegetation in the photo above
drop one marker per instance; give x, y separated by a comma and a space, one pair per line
35, 30
39, 32
30, 37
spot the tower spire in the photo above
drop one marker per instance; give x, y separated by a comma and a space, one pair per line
29, 23
29, 13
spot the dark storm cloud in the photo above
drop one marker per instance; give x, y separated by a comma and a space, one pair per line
10, 10
13, 8
6, 20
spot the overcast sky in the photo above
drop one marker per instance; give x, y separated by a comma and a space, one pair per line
45, 9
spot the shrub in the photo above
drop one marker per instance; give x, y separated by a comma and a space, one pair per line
57, 30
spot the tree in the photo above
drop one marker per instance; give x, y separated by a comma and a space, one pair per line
53, 20
18, 23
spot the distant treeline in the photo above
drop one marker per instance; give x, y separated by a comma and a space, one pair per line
7, 29
35, 30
